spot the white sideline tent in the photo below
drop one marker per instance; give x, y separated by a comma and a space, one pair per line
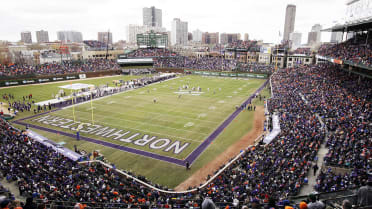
74, 87
275, 132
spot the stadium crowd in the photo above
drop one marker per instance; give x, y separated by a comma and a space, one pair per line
263, 174
301, 50
95, 45
152, 52
202, 63
67, 67
357, 50
251, 46
344, 101
255, 68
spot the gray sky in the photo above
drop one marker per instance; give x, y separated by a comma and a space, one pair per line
262, 19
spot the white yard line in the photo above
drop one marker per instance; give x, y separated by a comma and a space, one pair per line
160, 115
99, 98
142, 123
157, 113
143, 130
194, 113
140, 130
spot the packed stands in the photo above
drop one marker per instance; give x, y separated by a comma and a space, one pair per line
346, 108
202, 63
251, 46
264, 173
357, 50
301, 50
67, 67
95, 45
255, 68
151, 52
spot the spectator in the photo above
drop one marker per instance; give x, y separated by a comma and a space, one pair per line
346, 204
208, 204
30, 204
5, 204
365, 195
314, 204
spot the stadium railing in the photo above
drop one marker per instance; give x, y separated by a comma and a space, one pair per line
168, 191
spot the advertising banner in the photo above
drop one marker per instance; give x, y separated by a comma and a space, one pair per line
224, 74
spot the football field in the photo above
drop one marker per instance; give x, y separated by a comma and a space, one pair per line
158, 127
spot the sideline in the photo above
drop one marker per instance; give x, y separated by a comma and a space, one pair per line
191, 158
172, 192
46, 83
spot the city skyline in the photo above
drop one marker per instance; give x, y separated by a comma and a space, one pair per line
257, 18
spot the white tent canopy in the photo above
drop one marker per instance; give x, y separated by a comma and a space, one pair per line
76, 86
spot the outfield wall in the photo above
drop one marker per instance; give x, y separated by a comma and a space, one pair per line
213, 73
52, 78
228, 74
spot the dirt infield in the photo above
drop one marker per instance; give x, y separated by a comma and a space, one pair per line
199, 176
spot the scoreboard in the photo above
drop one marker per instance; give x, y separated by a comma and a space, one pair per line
152, 40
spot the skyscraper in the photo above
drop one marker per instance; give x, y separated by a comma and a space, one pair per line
290, 17
314, 36
179, 32
246, 37
197, 35
227, 38
210, 38
70, 36
132, 30
152, 17
295, 39
105, 37
26, 37
42, 36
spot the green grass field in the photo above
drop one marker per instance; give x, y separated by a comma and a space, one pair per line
43, 92
188, 119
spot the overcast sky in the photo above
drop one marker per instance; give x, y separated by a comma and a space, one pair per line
262, 19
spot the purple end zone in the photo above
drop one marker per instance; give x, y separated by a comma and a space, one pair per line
108, 144
191, 158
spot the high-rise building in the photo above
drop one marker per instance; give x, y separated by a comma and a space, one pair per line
210, 38
42, 36
169, 37
179, 32
70, 36
189, 36
227, 38
197, 35
132, 31
152, 17
336, 37
26, 37
290, 17
105, 37
314, 36
246, 37
295, 39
